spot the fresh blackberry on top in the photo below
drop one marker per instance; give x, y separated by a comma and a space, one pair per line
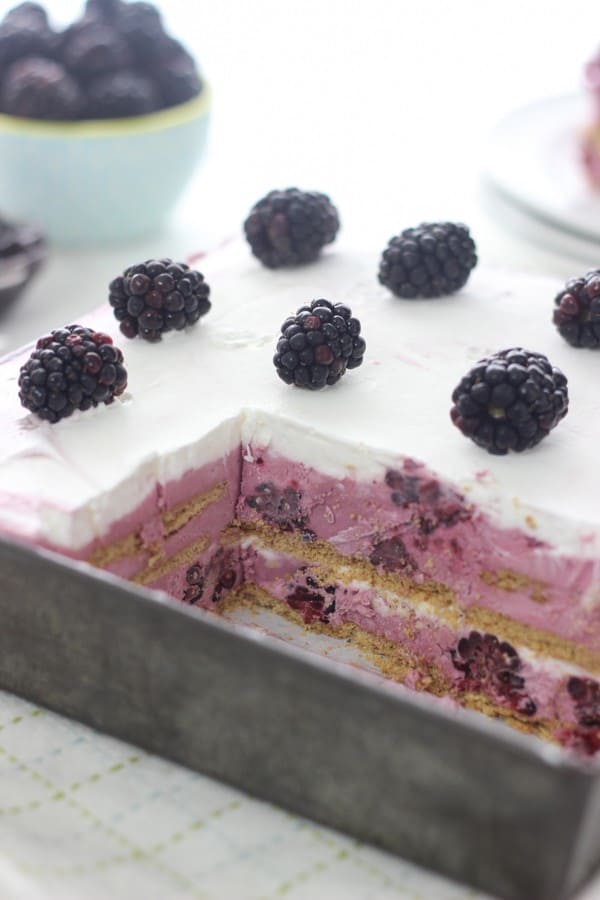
510, 400
291, 227
432, 260
318, 344
71, 368
157, 296
577, 311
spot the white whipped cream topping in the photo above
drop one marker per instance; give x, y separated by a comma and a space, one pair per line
198, 393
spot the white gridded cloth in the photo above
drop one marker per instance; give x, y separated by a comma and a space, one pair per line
86, 816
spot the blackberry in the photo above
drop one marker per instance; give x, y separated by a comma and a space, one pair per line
22, 35
281, 507
289, 227
156, 296
582, 740
104, 10
435, 504
93, 48
312, 605
577, 313
27, 12
71, 368
318, 344
194, 577
120, 94
177, 76
586, 696
391, 554
218, 575
36, 88
158, 55
510, 400
141, 26
493, 666
138, 21
431, 260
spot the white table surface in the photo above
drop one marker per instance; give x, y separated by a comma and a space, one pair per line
385, 105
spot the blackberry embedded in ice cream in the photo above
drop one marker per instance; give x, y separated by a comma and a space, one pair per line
157, 296
510, 400
279, 506
493, 666
286, 228
318, 344
585, 693
577, 310
71, 368
391, 554
431, 260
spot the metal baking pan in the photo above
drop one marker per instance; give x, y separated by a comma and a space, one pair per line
450, 790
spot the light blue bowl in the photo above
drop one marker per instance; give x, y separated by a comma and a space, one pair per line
100, 181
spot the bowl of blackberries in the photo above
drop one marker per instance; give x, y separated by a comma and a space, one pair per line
102, 122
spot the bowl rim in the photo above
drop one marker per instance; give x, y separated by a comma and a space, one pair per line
195, 108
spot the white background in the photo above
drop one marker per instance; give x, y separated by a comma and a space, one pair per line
386, 106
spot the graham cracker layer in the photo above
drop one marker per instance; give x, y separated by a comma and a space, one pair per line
127, 546
432, 596
442, 599
173, 520
510, 581
394, 661
187, 556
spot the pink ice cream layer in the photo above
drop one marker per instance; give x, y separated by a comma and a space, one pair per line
146, 520
206, 580
468, 661
412, 524
408, 523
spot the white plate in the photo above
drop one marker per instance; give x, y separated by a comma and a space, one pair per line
532, 158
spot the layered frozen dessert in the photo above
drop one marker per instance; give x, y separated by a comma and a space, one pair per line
358, 510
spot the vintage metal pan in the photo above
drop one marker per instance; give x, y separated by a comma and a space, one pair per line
451, 790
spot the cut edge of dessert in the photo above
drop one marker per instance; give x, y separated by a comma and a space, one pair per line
380, 561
